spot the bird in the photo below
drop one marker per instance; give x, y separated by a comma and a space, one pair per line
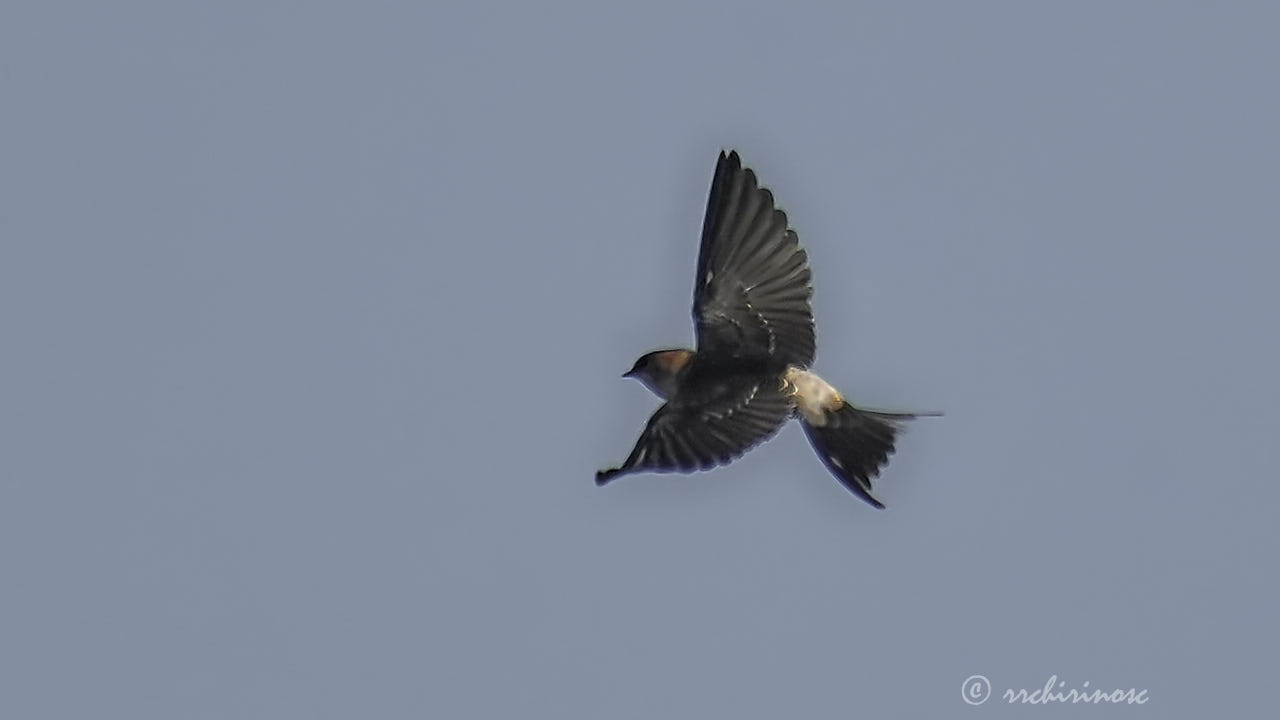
751, 372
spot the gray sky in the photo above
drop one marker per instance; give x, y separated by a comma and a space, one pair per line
313, 317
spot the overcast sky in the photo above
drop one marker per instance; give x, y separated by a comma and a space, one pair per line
312, 317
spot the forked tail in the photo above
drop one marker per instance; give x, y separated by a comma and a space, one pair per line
855, 444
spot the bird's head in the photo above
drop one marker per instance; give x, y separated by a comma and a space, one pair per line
660, 370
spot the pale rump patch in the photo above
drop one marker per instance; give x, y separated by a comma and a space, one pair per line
814, 396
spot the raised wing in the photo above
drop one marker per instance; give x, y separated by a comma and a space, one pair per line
728, 420
751, 294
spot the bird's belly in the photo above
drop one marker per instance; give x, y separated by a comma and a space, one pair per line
814, 396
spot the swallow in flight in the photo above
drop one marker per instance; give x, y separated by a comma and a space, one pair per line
755, 341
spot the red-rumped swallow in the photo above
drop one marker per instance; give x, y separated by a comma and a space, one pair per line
755, 340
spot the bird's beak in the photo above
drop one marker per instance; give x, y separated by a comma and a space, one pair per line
628, 373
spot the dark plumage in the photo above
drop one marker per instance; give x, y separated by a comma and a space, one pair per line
755, 340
